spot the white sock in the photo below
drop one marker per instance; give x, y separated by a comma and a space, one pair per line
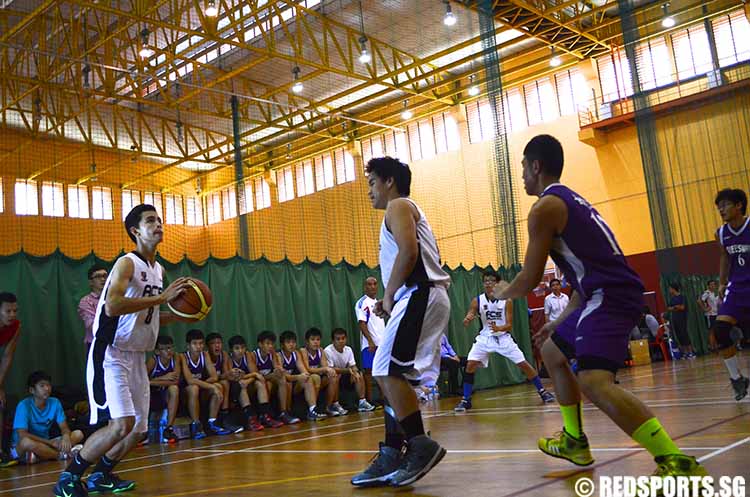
211, 420
312, 408
733, 367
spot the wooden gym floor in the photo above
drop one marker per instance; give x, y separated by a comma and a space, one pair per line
491, 450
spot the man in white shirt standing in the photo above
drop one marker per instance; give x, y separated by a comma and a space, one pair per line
554, 303
341, 358
371, 329
709, 302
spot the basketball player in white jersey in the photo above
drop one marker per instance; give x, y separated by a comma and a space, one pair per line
416, 299
125, 327
494, 338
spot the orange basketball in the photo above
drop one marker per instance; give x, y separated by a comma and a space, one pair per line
195, 302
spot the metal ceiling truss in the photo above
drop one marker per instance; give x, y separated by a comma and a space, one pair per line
69, 36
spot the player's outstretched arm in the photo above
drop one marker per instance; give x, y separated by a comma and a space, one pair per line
547, 218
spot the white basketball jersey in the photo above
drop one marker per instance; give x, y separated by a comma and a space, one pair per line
427, 268
137, 331
491, 311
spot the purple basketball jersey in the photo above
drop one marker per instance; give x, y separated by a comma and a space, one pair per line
160, 369
314, 360
737, 245
242, 364
587, 251
289, 364
265, 366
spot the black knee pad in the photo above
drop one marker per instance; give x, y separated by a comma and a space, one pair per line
723, 333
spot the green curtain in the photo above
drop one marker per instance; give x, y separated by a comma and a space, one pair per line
248, 297
692, 286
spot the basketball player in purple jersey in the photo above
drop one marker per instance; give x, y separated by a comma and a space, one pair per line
566, 227
734, 281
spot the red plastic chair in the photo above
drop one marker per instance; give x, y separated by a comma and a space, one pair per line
661, 343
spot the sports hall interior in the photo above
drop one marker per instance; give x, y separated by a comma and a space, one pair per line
250, 129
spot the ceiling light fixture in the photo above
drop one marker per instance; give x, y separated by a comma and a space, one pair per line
668, 21
297, 87
473, 89
450, 18
211, 9
555, 60
406, 113
364, 55
145, 52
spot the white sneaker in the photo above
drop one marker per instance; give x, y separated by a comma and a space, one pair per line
365, 406
332, 411
340, 409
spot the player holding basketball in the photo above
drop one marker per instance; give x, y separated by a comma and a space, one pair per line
734, 278
416, 299
125, 328
566, 227
494, 338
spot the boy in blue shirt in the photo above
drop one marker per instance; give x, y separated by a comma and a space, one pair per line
35, 415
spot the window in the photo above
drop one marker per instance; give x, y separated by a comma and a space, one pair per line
452, 135
130, 198
101, 202
53, 199
305, 178
213, 207
614, 76
285, 183
572, 92
344, 165
155, 200
173, 213
395, 145
412, 133
732, 33
324, 172
262, 194
27, 199
229, 202
377, 146
692, 54
78, 201
515, 111
427, 138
246, 200
194, 209
541, 105
654, 64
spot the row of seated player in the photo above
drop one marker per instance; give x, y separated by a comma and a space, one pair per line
220, 380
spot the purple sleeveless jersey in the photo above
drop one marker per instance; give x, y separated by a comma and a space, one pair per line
587, 251
737, 246
265, 366
242, 364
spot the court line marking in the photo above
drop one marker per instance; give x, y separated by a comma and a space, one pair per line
258, 484
591, 407
724, 449
657, 388
249, 449
450, 451
588, 469
291, 432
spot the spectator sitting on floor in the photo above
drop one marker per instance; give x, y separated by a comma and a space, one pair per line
36, 416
